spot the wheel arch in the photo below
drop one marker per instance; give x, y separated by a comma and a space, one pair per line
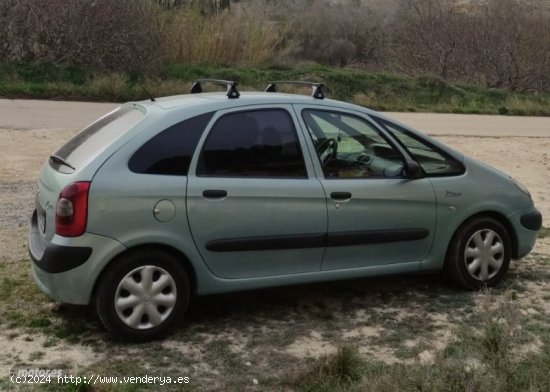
496, 216
162, 247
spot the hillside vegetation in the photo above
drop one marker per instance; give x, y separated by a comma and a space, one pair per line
486, 56
375, 90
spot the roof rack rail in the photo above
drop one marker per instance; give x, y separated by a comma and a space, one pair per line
317, 87
232, 91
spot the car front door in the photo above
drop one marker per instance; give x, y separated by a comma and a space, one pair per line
254, 205
376, 214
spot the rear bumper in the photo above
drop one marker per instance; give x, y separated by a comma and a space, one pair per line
66, 269
54, 258
526, 225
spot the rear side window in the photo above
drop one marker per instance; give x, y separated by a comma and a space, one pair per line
170, 151
91, 141
258, 143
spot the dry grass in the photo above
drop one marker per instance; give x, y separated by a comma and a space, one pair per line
496, 349
496, 44
223, 38
388, 334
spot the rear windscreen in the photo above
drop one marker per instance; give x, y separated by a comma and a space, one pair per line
91, 141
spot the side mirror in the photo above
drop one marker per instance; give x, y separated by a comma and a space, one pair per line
413, 170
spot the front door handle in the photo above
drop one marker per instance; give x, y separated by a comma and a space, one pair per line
340, 195
214, 193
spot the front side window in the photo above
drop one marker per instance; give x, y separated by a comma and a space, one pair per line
433, 161
257, 143
350, 147
170, 151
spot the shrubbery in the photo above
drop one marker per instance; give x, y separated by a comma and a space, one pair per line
494, 43
102, 34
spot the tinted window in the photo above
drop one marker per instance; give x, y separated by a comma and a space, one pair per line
259, 143
170, 151
91, 141
350, 147
432, 160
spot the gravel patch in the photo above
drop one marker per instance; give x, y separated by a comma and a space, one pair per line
17, 200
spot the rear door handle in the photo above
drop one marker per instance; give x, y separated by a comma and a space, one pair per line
214, 194
340, 195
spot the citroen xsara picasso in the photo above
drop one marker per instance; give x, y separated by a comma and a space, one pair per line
162, 200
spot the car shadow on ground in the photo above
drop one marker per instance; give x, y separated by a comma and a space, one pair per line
298, 304
318, 298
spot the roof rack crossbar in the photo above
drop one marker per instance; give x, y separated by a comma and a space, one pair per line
232, 91
318, 92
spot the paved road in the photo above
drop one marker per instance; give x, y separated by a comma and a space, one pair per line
476, 124
36, 114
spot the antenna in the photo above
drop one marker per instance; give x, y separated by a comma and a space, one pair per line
147, 93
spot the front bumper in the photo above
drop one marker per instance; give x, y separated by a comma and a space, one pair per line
66, 269
526, 225
531, 220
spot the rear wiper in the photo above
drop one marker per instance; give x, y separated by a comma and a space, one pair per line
57, 159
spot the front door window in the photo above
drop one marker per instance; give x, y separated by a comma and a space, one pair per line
350, 147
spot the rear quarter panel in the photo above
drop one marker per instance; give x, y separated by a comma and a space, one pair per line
121, 202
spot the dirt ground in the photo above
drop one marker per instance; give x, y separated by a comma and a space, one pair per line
251, 334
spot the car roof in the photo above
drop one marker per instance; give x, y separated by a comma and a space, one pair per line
220, 100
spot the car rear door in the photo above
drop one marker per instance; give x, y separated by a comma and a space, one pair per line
254, 205
376, 215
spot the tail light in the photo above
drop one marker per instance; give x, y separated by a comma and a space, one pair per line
71, 212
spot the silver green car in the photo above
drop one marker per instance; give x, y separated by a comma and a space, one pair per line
163, 200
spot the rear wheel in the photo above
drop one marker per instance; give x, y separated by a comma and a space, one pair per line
479, 254
143, 295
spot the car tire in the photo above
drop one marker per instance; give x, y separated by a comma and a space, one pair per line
143, 295
479, 253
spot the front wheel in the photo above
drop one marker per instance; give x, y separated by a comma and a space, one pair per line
143, 295
479, 254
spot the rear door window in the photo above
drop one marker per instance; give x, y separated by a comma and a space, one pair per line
91, 141
257, 143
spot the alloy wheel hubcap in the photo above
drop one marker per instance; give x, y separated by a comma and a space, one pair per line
145, 297
484, 254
